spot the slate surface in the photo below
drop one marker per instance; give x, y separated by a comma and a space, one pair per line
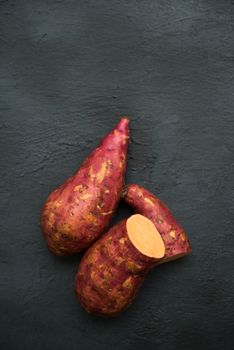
68, 70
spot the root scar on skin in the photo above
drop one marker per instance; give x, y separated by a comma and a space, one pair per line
147, 200
102, 172
172, 233
107, 213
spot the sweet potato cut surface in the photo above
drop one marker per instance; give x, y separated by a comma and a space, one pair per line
113, 269
173, 235
76, 213
145, 237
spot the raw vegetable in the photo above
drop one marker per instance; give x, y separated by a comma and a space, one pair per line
113, 269
173, 235
76, 213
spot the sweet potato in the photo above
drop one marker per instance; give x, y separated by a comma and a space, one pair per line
173, 235
113, 269
76, 213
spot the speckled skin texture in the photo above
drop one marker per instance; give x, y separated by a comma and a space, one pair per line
111, 272
68, 70
76, 213
145, 203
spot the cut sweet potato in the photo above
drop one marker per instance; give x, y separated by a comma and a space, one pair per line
113, 269
145, 237
173, 235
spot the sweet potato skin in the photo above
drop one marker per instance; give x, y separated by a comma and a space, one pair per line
76, 213
145, 203
111, 272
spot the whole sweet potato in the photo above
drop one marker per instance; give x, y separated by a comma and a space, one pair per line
76, 213
113, 269
173, 235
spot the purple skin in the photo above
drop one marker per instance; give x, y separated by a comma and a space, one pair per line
77, 213
111, 272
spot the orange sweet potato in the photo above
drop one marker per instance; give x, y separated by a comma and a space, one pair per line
113, 269
76, 213
173, 235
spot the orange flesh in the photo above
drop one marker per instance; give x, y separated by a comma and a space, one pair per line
145, 237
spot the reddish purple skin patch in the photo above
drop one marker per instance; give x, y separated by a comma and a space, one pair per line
76, 213
111, 272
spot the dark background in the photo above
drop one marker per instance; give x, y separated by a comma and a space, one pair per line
68, 70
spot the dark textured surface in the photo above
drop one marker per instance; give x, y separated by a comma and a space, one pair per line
68, 69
